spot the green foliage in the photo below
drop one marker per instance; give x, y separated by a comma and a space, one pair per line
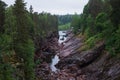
31, 25
88, 30
94, 7
90, 42
8, 70
113, 42
64, 27
5, 43
37, 62
20, 32
23, 44
45, 24
83, 21
86, 11
115, 13
5, 51
75, 23
100, 21
2, 15
29, 60
90, 26
25, 52
10, 25
117, 42
64, 19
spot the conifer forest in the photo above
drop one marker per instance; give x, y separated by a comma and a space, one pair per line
45, 46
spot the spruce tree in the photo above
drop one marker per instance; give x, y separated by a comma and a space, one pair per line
115, 14
23, 44
31, 11
2, 15
5, 47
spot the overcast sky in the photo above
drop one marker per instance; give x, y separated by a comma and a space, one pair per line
55, 6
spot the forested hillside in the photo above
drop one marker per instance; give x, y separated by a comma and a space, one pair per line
22, 33
100, 22
64, 21
42, 46
93, 51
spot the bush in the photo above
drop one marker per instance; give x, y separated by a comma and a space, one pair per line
25, 51
5, 53
64, 27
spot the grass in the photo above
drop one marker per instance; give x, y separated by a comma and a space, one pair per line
90, 42
64, 27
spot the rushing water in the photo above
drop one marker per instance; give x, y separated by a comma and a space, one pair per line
56, 59
62, 35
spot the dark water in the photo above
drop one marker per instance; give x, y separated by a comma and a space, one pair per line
56, 59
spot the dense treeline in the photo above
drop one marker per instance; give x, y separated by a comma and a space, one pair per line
20, 34
64, 19
100, 22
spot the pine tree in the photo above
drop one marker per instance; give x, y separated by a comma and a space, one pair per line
115, 14
31, 11
5, 45
23, 44
21, 18
2, 15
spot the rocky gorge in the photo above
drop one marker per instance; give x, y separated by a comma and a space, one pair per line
75, 64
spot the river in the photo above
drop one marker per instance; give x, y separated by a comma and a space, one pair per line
55, 59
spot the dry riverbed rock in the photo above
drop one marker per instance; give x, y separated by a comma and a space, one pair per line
93, 64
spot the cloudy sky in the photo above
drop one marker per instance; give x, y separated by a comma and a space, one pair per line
55, 6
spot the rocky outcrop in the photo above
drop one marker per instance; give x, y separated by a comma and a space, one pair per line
82, 59
70, 45
93, 64
46, 48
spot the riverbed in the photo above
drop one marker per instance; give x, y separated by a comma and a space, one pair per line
55, 59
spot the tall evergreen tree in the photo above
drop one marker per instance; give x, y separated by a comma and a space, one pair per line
21, 18
2, 15
115, 12
5, 46
24, 45
31, 11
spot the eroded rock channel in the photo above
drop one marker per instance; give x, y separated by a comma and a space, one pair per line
69, 62
55, 59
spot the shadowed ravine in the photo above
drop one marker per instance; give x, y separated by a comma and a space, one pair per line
83, 65
55, 59
34, 45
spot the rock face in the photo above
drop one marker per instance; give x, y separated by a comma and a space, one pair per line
93, 64
70, 45
82, 59
46, 48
